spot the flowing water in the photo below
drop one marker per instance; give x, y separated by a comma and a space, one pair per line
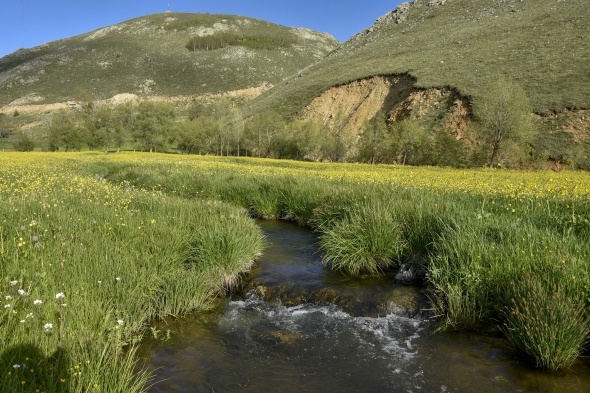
298, 327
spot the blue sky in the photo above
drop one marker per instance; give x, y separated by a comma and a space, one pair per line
28, 23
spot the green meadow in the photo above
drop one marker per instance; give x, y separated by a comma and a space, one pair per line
94, 247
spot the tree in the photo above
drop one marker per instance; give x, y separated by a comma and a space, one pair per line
152, 124
373, 139
22, 141
410, 141
261, 131
199, 136
505, 117
6, 127
99, 127
338, 141
64, 131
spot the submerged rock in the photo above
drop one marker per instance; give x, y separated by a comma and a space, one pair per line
370, 301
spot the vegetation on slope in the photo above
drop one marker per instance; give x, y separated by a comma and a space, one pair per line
148, 56
539, 44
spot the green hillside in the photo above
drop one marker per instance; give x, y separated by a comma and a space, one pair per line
543, 45
149, 56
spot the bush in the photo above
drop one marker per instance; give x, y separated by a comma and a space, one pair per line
22, 142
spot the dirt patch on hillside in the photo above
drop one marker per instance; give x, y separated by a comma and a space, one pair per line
398, 97
22, 106
360, 100
575, 122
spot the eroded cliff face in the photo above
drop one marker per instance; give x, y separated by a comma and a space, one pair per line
346, 108
398, 97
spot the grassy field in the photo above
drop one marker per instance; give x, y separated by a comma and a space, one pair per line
94, 246
86, 265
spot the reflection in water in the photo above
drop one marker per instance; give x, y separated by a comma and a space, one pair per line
250, 345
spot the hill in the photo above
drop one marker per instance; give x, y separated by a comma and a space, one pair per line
541, 44
431, 59
150, 56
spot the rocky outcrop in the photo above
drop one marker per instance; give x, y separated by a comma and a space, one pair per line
399, 15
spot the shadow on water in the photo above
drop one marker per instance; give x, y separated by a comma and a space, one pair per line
301, 328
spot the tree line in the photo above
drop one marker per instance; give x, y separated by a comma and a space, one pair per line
502, 132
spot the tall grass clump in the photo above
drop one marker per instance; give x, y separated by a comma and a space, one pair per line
224, 247
475, 262
545, 321
367, 241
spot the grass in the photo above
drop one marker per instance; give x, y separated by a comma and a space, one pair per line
471, 232
86, 265
547, 320
131, 237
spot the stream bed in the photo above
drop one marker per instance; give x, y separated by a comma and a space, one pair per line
296, 326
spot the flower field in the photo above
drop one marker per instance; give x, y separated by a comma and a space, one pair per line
94, 246
86, 264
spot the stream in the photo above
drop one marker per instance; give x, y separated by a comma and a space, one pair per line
296, 326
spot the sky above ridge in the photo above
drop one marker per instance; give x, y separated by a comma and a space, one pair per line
28, 23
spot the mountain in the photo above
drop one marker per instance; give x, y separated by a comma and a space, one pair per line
151, 56
433, 58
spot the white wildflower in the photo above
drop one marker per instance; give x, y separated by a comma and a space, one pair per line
63, 304
21, 292
7, 306
13, 283
118, 278
23, 320
60, 295
120, 322
48, 326
37, 302
16, 366
8, 297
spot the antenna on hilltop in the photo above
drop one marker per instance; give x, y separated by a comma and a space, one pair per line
168, 9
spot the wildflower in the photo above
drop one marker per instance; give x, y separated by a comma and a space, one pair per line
23, 320
37, 302
7, 306
21, 292
8, 297
48, 327
60, 295
13, 283
16, 366
120, 322
118, 278
29, 315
